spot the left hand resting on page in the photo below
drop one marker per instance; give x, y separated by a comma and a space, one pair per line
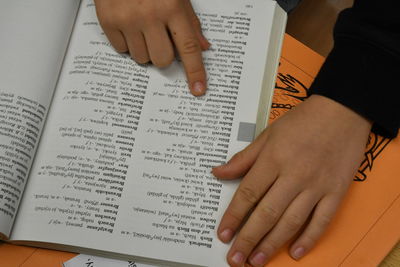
301, 165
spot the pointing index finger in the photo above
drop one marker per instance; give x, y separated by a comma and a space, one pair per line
189, 49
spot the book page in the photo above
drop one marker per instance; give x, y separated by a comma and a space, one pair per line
83, 260
127, 150
34, 38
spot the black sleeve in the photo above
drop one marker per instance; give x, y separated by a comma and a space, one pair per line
288, 5
362, 71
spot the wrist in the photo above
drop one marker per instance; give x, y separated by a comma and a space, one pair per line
339, 115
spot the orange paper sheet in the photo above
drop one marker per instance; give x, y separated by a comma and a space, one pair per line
20, 256
366, 226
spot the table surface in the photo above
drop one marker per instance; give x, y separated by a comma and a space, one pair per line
312, 24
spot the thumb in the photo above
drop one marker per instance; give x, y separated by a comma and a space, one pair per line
242, 161
204, 44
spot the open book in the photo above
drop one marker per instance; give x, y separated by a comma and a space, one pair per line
365, 227
100, 154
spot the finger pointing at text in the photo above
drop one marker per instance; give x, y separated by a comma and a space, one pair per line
150, 29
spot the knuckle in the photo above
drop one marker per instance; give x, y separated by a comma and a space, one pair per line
293, 222
234, 216
105, 20
149, 16
247, 194
272, 245
190, 46
141, 60
340, 185
268, 213
195, 71
323, 221
279, 157
163, 58
123, 18
163, 62
120, 48
248, 241
309, 240
175, 6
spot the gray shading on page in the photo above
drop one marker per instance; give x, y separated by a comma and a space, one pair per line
29, 68
246, 132
21, 120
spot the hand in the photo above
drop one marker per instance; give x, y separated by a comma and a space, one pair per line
301, 165
149, 28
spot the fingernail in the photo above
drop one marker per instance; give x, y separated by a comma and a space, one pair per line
259, 259
298, 253
198, 88
226, 235
238, 258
